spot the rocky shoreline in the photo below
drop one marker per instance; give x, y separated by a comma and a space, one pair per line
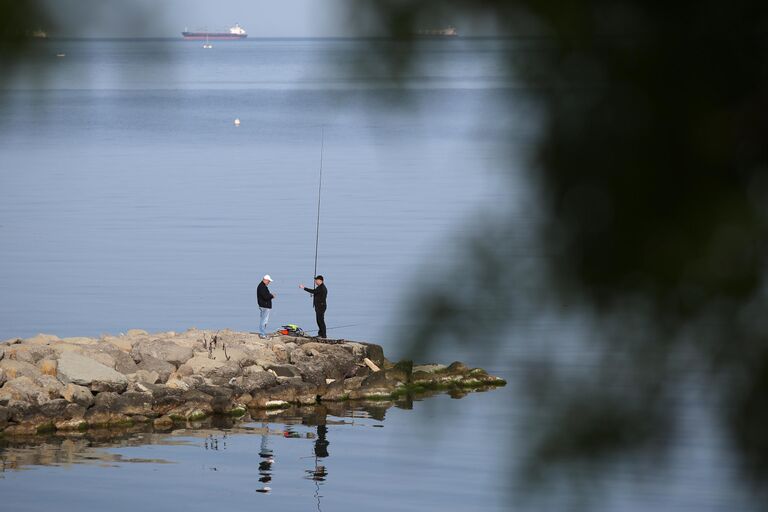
49, 384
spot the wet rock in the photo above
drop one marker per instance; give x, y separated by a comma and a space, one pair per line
132, 403
335, 392
79, 395
163, 423
153, 364
195, 405
375, 353
401, 371
166, 351
71, 424
54, 408
109, 409
19, 410
83, 371
74, 411
3, 417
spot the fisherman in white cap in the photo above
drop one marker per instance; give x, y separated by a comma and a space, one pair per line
264, 297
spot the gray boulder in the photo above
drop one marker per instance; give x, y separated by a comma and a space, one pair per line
79, 395
161, 368
50, 385
15, 369
252, 381
164, 350
23, 389
83, 371
284, 370
30, 353
110, 355
318, 362
222, 375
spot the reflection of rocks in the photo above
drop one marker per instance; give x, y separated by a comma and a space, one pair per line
158, 380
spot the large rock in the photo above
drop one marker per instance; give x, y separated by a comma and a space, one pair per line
283, 370
200, 365
113, 357
223, 375
164, 350
318, 362
252, 381
24, 389
41, 339
15, 369
153, 364
78, 369
51, 385
31, 354
79, 395
3, 377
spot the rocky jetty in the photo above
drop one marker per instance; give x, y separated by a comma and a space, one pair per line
160, 380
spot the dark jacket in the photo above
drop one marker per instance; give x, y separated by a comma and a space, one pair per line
264, 296
320, 296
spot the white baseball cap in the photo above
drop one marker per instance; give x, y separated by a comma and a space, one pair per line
267, 278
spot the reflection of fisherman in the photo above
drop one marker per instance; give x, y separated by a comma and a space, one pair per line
265, 466
319, 301
321, 451
321, 445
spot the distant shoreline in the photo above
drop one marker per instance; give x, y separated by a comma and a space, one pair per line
290, 38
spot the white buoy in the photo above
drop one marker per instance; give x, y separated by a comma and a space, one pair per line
237, 121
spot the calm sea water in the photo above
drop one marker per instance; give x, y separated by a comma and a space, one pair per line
128, 198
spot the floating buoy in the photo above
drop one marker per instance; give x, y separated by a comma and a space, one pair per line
61, 54
237, 121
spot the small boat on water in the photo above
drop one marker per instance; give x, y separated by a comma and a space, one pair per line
233, 34
449, 31
207, 44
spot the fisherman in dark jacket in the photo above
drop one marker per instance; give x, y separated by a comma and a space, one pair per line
264, 297
319, 301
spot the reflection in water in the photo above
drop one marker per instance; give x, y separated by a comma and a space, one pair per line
265, 466
97, 447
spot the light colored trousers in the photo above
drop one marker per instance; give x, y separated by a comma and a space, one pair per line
264, 313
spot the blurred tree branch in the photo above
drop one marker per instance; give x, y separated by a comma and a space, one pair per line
652, 176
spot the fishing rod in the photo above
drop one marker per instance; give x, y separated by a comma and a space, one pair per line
319, 195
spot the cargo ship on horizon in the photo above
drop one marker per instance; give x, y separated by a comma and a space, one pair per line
233, 34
